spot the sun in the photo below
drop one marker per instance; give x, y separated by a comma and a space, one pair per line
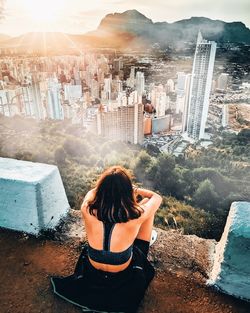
44, 11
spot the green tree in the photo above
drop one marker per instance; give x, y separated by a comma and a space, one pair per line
60, 156
166, 178
142, 167
205, 196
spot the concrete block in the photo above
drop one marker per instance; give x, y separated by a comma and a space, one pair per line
231, 270
32, 196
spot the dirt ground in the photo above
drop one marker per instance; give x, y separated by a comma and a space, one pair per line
26, 264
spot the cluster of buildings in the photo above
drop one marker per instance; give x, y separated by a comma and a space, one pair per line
92, 90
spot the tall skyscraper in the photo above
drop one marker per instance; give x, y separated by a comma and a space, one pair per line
200, 87
35, 93
124, 123
186, 102
182, 91
140, 83
107, 87
131, 79
181, 80
55, 109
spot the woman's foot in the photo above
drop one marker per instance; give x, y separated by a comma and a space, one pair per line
153, 237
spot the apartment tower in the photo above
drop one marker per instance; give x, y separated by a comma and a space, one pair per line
200, 87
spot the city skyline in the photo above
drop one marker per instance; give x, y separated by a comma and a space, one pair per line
20, 16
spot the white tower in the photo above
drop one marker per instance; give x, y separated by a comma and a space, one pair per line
200, 88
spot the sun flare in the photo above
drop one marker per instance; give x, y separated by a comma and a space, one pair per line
44, 11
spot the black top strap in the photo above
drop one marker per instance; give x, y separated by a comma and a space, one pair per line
108, 228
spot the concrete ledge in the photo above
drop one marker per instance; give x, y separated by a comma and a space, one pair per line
32, 196
231, 270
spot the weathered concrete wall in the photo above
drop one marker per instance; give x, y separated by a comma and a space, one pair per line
32, 196
231, 270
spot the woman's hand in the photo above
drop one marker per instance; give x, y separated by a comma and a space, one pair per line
150, 200
143, 201
144, 193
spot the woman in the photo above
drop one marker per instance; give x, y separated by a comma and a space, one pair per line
113, 272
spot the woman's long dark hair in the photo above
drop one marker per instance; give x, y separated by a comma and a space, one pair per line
114, 199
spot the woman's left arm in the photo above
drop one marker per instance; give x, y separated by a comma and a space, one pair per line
89, 195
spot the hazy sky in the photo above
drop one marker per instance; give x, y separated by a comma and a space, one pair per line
79, 16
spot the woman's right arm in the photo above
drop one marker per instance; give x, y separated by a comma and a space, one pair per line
153, 202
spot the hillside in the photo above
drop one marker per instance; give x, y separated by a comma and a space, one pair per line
197, 190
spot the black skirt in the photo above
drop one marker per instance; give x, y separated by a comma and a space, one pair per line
96, 290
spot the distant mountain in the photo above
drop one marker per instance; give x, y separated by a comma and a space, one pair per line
131, 29
181, 31
128, 21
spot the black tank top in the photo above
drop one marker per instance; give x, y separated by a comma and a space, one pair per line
105, 256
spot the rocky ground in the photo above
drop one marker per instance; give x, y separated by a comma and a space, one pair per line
239, 116
182, 264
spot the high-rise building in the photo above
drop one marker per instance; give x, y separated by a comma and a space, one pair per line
159, 101
124, 123
170, 86
182, 91
200, 87
72, 92
131, 79
186, 102
223, 81
95, 88
140, 83
181, 80
54, 107
36, 100
107, 87
118, 64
